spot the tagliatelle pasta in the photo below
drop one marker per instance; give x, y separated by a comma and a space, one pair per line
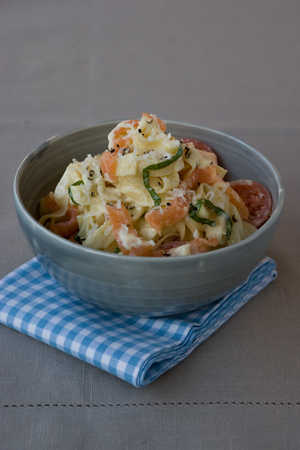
151, 194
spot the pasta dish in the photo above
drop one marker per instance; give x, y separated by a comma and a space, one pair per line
152, 194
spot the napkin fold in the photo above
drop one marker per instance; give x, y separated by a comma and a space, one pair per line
135, 349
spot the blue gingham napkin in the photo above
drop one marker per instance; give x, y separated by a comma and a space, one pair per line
136, 349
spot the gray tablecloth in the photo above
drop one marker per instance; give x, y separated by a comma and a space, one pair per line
232, 65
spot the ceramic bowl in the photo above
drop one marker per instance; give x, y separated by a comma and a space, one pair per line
139, 285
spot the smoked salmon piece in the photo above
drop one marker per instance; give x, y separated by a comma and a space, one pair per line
120, 134
120, 141
118, 217
201, 245
109, 158
48, 204
177, 209
121, 221
109, 164
171, 214
207, 175
66, 225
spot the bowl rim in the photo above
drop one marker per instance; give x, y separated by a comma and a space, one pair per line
62, 242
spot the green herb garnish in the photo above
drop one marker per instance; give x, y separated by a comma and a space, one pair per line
117, 250
193, 213
219, 212
146, 174
77, 183
210, 205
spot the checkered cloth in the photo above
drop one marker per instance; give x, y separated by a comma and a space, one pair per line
133, 348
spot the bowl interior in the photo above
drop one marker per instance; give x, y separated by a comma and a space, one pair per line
43, 168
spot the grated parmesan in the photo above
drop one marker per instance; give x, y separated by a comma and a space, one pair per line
130, 240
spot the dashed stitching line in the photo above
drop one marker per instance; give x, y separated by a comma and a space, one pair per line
152, 404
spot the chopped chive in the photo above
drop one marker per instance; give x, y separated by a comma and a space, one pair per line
146, 178
218, 211
193, 213
210, 205
146, 175
77, 183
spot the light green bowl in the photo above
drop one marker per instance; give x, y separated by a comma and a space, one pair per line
139, 285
